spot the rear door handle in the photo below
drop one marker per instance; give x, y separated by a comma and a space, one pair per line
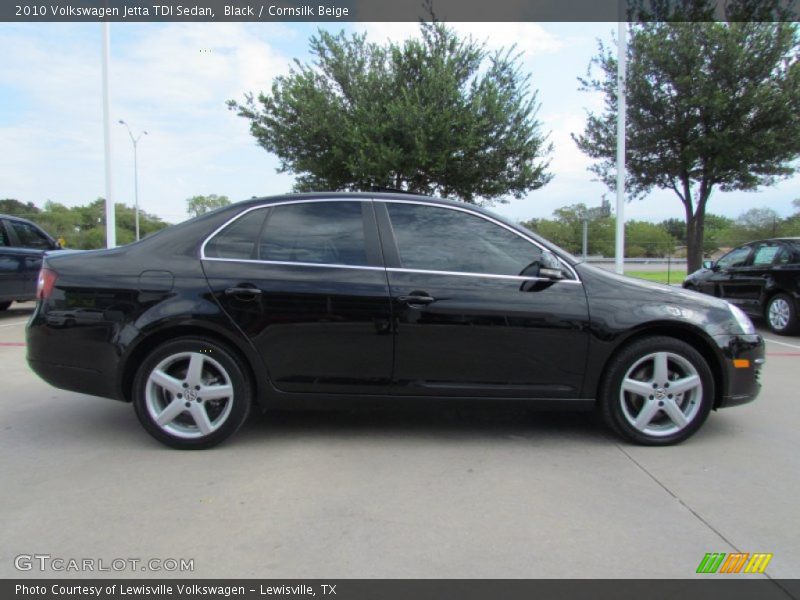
242, 291
420, 299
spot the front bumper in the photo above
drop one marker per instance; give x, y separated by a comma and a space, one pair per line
743, 357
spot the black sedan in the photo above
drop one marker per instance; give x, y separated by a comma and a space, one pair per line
314, 299
762, 278
22, 245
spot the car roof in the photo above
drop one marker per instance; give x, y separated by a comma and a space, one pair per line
255, 201
399, 195
775, 239
15, 218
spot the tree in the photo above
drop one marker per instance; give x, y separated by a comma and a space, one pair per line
710, 105
200, 205
439, 115
566, 230
759, 223
9, 206
718, 231
83, 227
648, 240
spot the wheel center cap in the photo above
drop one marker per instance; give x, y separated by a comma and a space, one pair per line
660, 393
191, 395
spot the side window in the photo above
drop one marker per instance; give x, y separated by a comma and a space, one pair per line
238, 240
784, 257
3, 237
734, 258
441, 239
315, 232
765, 254
29, 236
793, 253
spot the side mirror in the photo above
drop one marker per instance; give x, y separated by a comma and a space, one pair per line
708, 264
550, 266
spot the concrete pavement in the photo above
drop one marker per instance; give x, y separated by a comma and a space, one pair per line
420, 494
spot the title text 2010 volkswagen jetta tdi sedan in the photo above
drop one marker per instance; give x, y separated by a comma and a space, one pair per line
308, 299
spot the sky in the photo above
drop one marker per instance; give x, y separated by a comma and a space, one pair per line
173, 79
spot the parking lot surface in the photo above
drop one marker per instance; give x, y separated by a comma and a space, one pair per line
456, 493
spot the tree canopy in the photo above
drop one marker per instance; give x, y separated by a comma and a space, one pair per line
83, 227
200, 205
436, 115
710, 105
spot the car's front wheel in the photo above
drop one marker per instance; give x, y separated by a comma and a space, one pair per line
781, 315
191, 393
657, 391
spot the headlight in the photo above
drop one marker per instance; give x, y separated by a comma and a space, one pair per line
742, 319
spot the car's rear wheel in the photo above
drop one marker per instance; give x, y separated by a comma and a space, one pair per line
781, 315
658, 391
4, 305
191, 393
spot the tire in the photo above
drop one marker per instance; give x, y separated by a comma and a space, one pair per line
781, 315
4, 305
169, 390
638, 398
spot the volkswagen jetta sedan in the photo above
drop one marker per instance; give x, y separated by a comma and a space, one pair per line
325, 299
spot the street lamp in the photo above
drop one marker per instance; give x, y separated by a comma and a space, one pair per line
135, 141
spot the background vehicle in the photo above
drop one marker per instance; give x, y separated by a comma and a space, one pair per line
761, 277
22, 245
313, 299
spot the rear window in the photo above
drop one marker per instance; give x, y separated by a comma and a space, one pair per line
315, 232
238, 240
309, 232
29, 236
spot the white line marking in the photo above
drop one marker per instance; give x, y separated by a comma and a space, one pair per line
25, 321
782, 343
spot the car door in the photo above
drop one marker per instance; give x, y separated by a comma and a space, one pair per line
306, 283
471, 316
746, 285
719, 283
24, 255
11, 266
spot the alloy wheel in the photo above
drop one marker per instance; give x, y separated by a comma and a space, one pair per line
661, 394
189, 395
779, 314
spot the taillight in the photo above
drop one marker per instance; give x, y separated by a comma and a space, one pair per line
44, 287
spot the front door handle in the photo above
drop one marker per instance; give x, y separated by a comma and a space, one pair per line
416, 299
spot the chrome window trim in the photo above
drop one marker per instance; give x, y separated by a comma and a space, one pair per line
486, 275
491, 220
370, 267
270, 205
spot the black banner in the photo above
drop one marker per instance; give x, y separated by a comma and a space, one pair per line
714, 587
393, 10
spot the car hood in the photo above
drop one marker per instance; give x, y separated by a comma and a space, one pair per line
700, 273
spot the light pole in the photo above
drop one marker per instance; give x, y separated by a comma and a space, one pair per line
135, 141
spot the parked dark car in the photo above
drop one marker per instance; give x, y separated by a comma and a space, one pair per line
762, 278
319, 299
22, 245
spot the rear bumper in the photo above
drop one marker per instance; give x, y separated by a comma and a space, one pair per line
73, 379
76, 359
743, 357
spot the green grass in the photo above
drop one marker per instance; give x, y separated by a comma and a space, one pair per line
675, 276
